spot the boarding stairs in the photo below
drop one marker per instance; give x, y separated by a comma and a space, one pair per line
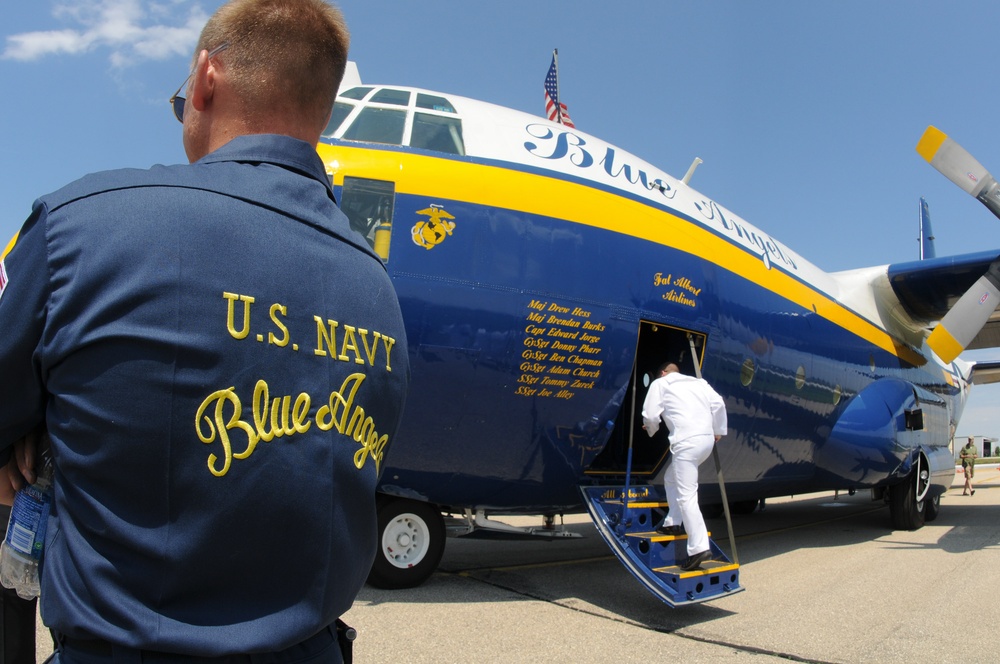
626, 517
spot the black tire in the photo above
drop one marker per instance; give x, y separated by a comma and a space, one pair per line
908, 498
410, 543
742, 507
711, 510
932, 507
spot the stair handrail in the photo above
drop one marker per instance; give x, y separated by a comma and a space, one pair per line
715, 455
628, 462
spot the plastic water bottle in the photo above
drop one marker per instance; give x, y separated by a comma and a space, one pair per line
21, 549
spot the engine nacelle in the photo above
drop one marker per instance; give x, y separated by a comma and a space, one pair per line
881, 432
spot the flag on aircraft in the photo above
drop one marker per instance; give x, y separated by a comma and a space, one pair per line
556, 111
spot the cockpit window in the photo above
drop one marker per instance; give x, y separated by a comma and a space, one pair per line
434, 103
438, 133
397, 117
378, 125
340, 111
355, 93
390, 96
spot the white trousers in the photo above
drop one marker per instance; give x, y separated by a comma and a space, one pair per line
681, 482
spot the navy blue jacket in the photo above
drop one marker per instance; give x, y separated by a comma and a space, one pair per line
221, 363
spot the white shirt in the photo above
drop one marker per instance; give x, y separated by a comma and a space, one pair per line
688, 406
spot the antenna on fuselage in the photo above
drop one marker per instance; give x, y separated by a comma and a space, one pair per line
694, 164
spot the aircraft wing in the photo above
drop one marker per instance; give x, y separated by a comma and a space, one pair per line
984, 373
928, 289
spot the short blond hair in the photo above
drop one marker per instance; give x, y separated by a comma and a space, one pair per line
284, 56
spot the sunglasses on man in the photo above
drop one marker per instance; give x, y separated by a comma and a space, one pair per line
177, 101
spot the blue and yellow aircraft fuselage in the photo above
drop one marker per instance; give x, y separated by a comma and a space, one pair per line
544, 275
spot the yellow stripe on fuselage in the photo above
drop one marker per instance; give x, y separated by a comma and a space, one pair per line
532, 193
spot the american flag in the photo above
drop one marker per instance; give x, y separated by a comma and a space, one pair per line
555, 111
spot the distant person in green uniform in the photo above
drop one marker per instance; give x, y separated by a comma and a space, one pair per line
968, 456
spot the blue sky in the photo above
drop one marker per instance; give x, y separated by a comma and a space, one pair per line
806, 114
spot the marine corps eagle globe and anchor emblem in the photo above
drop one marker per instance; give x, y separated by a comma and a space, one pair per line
428, 233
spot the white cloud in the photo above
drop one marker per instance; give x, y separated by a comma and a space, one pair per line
131, 30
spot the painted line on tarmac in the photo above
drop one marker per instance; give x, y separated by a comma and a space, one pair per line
551, 563
468, 572
819, 522
564, 604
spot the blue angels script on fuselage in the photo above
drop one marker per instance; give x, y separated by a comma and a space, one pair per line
569, 147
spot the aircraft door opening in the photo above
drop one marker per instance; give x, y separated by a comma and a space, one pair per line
656, 345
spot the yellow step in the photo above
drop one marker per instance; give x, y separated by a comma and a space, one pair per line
654, 536
707, 567
637, 504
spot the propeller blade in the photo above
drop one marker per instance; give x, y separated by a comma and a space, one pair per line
956, 164
964, 320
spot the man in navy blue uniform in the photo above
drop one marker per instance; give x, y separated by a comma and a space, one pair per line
220, 364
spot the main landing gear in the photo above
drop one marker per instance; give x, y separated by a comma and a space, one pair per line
909, 504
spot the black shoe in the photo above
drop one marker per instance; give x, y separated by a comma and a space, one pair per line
674, 531
695, 561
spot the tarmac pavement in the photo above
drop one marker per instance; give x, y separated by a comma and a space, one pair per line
827, 581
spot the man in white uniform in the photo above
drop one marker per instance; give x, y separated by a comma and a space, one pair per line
695, 416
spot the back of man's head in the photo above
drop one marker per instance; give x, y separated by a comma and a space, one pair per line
668, 368
284, 56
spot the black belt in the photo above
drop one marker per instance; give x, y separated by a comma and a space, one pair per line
339, 632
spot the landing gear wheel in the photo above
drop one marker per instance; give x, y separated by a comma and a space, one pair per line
711, 510
411, 543
932, 507
907, 499
744, 506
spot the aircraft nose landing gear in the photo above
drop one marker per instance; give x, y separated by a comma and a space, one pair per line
411, 542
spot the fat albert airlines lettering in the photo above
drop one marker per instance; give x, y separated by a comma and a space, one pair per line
220, 415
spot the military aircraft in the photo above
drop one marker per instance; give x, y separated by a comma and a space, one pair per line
545, 274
